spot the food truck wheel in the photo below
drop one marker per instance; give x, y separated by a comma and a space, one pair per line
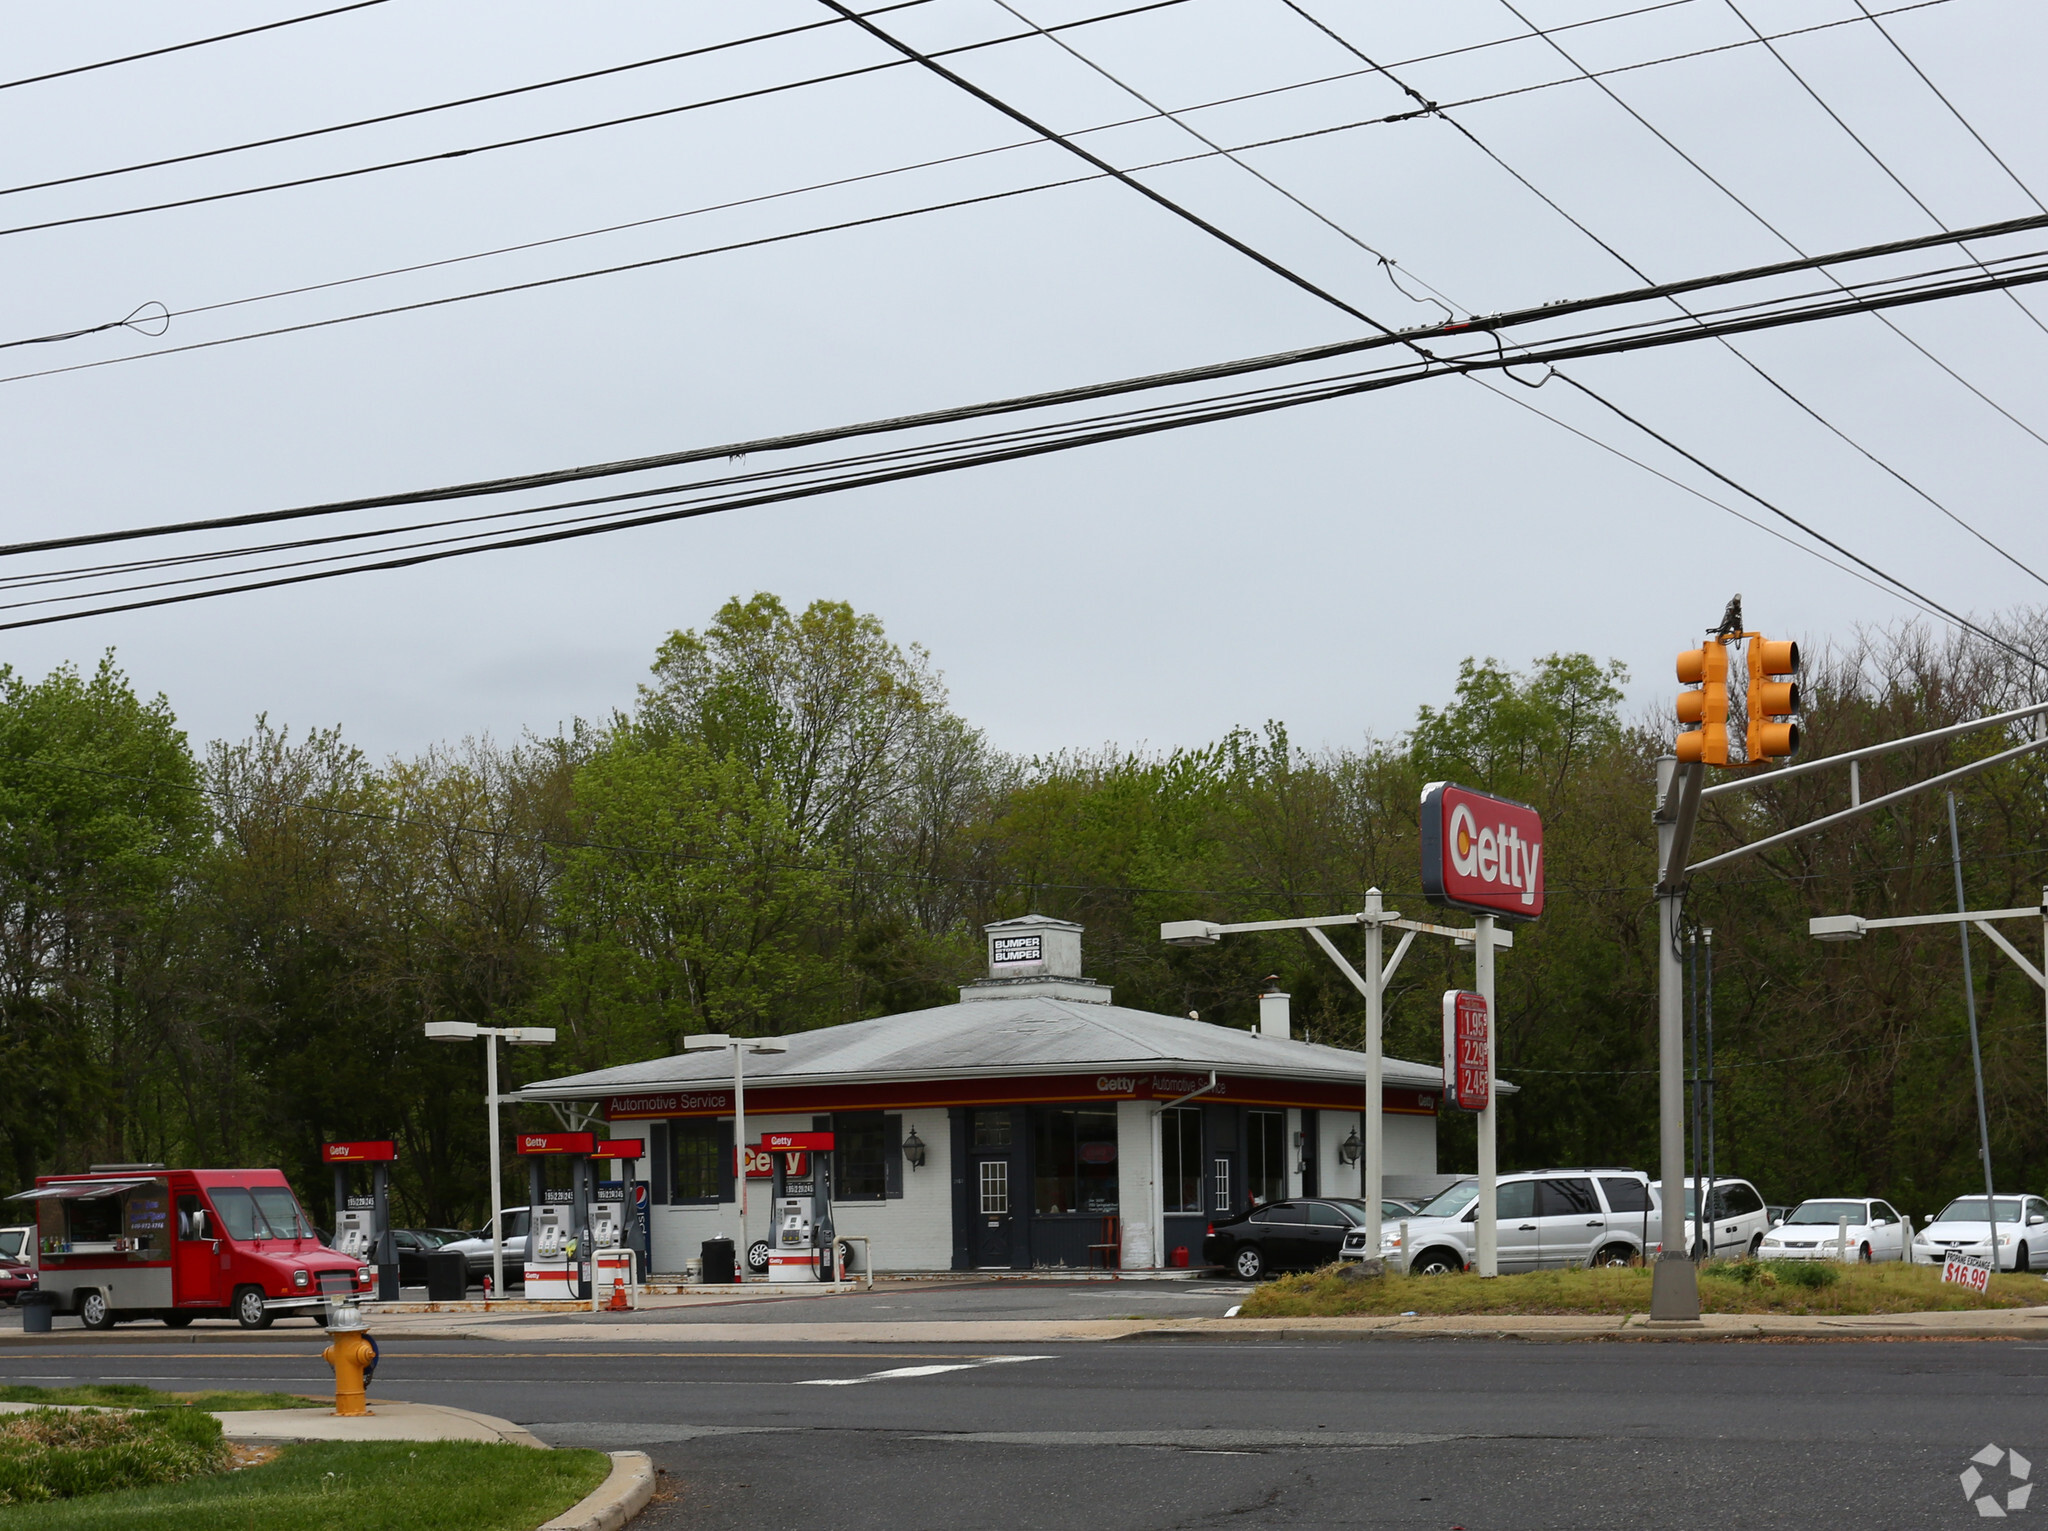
177, 1320
249, 1310
94, 1311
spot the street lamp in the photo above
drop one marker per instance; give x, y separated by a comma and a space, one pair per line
518, 1036
740, 1047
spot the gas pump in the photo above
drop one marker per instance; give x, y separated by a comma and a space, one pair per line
362, 1224
558, 1218
801, 1239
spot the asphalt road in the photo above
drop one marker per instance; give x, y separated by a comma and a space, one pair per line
1473, 1434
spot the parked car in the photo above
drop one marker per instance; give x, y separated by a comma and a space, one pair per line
1813, 1231
18, 1243
1962, 1224
1737, 1217
477, 1248
413, 1246
17, 1279
1543, 1218
1299, 1234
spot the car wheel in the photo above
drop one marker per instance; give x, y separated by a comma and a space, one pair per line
1249, 1262
2022, 1260
757, 1256
94, 1311
1756, 1242
249, 1310
1614, 1255
177, 1320
1863, 1255
1436, 1262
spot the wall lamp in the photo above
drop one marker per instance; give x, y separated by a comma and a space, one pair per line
913, 1149
1350, 1149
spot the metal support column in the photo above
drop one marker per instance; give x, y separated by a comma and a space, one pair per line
1675, 1290
1375, 1101
1482, 980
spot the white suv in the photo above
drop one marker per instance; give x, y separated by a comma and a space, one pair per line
1546, 1218
1736, 1214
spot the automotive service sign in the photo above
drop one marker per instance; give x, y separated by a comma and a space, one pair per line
1468, 1083
1481, 853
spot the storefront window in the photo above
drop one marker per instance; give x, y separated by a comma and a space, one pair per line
1265, 1155
696, 1160
1074, 1153
1180, 1158
859, 1172
991, 1129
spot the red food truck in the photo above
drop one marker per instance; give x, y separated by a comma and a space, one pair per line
141, 1241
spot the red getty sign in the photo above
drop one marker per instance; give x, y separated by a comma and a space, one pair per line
620, 1148
816, 1142
368, 1153
556, 1142
1468, 1083
1481, 853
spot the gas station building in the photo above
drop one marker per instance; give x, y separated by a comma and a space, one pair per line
1034, 1124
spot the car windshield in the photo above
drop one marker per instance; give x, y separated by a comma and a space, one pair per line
1829, 1212
1354, 1211
1970, 1209
260, 1212
1452, 1202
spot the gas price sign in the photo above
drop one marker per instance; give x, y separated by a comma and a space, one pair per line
1481, 853
1468, 1083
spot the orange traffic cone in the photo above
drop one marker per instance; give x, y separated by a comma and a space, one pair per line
618, 1302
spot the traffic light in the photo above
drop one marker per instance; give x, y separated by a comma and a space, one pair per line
1706, 708
1773, 699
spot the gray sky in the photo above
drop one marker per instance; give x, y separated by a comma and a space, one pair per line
1327, 565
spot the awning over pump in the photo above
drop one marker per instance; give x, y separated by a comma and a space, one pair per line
79, 1190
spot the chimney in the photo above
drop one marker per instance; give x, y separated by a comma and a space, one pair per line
1035, 955
1273, 1016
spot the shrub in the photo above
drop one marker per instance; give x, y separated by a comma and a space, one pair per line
62, 1453
1814, 1275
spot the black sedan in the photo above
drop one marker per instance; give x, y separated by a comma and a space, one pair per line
1301, 1234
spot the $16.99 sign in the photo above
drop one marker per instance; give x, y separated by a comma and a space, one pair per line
1468, 1083
1965, 1271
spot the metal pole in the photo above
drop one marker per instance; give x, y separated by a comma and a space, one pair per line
1955, 842
1692, 1024
2044, 967
1707, 1086
1482, 980
1674, 1291
497, 1170
1374, 1095
739, 1145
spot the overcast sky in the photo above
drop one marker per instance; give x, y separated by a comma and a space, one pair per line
1328, 565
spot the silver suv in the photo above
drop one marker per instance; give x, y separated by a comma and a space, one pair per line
1547, 1218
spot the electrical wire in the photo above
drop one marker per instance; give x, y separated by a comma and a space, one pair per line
1013, 404
197, 42
1748, 361
551, 135
1022, 445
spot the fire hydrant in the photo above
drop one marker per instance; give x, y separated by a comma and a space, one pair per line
353, 1355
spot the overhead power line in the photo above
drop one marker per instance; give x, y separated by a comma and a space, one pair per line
197, 42
551, 135
1013, 404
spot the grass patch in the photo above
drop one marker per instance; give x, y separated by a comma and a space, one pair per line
349, 1486
1726, 1286
57, 1454
133, 1395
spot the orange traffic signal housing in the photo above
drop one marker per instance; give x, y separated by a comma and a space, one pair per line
1705, 667
1773, 698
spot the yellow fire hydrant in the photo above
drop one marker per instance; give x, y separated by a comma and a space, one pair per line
353, 1355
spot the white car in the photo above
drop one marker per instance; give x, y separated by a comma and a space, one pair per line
1737, 1217
2022, 1232
1544, 1218
1814, 1231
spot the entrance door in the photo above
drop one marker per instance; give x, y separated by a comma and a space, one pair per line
195, 1275
994, 1220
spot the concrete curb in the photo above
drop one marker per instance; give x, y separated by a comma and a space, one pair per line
622, 1495
2022, 1324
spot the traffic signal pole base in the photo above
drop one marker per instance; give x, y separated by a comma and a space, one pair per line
1674, 1291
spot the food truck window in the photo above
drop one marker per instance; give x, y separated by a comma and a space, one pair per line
93, 1219
192, 1218
238, 1216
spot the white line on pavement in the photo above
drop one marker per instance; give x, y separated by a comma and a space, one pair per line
916, 1371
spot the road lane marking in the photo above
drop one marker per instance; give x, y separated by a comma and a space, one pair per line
916, 1371
1203, 1440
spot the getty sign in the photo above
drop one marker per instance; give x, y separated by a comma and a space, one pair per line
1481, 853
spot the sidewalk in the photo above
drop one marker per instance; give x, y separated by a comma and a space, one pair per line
386, 1421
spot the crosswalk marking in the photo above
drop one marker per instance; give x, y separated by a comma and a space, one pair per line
916, 1371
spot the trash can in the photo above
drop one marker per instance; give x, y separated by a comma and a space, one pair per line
36, 1311
718, 1262
447, 1276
